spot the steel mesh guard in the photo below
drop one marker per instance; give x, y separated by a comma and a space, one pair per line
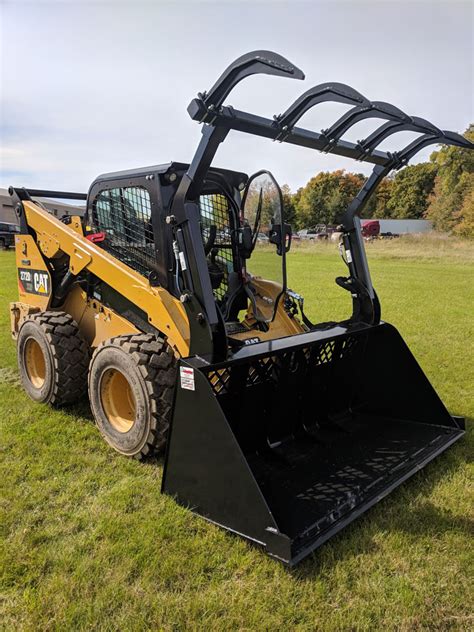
215, 211
268, 369
124, 214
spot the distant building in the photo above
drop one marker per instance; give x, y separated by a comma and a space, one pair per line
56, 208
404, 226
7, 212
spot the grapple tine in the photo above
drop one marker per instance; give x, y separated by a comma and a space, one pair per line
335, 92
375, 109
257, 62
445, 137
453, 138
415, 124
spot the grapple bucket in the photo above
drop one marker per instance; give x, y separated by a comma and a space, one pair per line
293, 439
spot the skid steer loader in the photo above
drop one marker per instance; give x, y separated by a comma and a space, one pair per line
169, 303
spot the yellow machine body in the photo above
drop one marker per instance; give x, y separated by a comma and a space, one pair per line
96, 321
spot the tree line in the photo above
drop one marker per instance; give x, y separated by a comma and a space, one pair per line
441, 190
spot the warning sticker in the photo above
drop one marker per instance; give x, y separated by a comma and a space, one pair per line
187, 378
34, 281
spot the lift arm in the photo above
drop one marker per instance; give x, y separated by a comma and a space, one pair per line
54, 238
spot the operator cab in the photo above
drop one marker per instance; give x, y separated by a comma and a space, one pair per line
244, 237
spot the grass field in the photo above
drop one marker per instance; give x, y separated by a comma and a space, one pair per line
89, 543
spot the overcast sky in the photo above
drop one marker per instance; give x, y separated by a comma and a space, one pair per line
88, 87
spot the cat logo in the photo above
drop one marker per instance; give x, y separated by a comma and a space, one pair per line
40, 282
34, 282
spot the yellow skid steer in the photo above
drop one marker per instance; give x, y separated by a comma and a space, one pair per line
168, 303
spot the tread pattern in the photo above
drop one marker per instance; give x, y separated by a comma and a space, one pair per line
71, 355
157, 363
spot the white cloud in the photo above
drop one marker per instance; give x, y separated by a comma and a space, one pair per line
93, 87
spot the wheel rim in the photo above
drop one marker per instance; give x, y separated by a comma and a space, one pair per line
35, 363
117, 400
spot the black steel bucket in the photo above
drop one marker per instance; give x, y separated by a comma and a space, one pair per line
293, 439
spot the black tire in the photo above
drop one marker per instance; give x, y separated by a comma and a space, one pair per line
131, 385
59, 375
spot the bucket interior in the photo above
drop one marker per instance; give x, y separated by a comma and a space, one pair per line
328, 427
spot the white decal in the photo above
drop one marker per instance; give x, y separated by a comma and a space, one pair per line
251, 341
187, 378
182, 261
348, 256
40, 282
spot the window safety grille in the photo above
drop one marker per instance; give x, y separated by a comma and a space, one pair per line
215, 211
124, 214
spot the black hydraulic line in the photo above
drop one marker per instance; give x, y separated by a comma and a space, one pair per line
63, 288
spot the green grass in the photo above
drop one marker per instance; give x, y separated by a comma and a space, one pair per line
89, 543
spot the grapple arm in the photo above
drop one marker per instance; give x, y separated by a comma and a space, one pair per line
218, 118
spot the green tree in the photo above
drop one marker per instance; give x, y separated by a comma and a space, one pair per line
465, 216
289, 206
381, 199
410, 191
326, 196
448, 204
298, 224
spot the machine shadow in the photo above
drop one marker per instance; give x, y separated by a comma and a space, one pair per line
80, 409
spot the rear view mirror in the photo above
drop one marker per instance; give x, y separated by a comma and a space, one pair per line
262, 209
280, 235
